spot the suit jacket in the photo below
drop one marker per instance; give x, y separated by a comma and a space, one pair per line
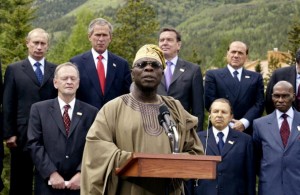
118, 79
235, 173
282, 74
187, 87
1, 131
247, 99
51, 150
21, 90
279, 170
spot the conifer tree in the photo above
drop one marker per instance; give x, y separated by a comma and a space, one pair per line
16, 17
294, 38
136, 25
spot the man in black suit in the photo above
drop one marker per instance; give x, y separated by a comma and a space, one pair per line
290, 74
103, 75
25, 82
56, 136
185, 82
235, 173
243, 88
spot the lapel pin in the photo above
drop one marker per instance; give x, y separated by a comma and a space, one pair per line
298, 128
181, 70
231, 142
114, 65
79, 113
247, 77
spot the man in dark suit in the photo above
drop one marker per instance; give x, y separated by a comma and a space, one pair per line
25, 82
103, 75
290, 74
56, 136
277, 145
244, 89
235, 173
182, 79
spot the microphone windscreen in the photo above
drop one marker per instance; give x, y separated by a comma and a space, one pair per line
160, 119
164, 110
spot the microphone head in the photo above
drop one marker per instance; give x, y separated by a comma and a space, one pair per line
160, 119
164, 110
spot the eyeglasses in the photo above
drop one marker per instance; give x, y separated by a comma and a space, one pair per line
282, 96
143, 64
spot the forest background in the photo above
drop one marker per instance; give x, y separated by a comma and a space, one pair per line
207, 27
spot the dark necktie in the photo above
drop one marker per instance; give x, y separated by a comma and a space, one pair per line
298, 99
235, 73
38, 72
101, 73
221, 142
168, 74
66, 118
284, 130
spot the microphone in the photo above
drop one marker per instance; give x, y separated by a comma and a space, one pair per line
164, 119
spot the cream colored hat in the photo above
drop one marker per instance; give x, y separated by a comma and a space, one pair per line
150, 51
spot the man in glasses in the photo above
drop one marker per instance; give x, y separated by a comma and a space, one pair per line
182, 79
277, 144
129, 124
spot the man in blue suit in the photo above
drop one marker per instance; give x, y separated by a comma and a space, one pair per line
235, 173
244, 89
103, 75
277, 145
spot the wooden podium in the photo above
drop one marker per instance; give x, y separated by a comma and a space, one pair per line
170, 166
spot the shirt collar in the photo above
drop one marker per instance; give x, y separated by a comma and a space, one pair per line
232, 69
62, 103
290, 113
174, 60
33, 61
224, 131
96, 54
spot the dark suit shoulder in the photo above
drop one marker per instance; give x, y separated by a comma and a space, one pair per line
87, 106
50, 64
284, 70
116, 57
18, 63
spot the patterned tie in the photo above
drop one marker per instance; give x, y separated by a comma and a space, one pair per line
235, 73
101, 73
66, 118
38, 72
298, 99
221, 142
168, 74
284, 130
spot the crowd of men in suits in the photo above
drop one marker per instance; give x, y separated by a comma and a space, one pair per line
42, 133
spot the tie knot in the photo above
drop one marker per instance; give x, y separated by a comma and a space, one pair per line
37, 64
284, 116
66, 107
169, 63
100, 57
235, 73
220, 135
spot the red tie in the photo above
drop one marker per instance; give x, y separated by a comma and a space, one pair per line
66, 118
284, 130
101, 74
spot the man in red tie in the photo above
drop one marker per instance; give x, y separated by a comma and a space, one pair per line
290, 74
56, 135
277, 145
103, 75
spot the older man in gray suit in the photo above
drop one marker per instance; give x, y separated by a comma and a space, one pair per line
277, 145
182, 79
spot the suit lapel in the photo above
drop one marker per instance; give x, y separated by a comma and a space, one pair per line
91, 70
295, 132
27, 68
48, 71
77, 114
57, 116
274, 130
246, 80
230, 141
228, 80
212, 144
110, 73
179, 70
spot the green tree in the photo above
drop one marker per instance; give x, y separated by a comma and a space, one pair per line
16, 23
136, 25
294, 38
